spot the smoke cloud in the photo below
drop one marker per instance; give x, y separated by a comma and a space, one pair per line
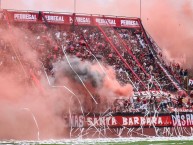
170, 27
22, 96
83, 69
103, 85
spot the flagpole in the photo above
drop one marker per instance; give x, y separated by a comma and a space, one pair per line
140, 9
74, 6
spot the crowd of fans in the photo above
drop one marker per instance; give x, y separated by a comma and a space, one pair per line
174, 68
139, 48
89, 43
7, 57
151, 104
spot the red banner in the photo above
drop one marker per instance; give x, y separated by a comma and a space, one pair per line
128, 23
170, 120
57, 18
68, 19
81, 20
105, 21
119, 121
185, 120
23, 16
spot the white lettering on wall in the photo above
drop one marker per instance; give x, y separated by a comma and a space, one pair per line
129, 23
102, 21
54, 18
29, 17
80, 20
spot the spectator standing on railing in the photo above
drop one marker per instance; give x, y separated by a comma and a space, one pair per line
180, 102
169, 100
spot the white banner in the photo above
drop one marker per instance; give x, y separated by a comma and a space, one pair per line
150, 93
190, 82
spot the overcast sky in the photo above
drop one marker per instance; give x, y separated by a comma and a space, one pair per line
113, 7
170, 22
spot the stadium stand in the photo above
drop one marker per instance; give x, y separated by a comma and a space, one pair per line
132, 53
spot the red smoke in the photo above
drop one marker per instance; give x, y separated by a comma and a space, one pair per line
16, 94
100, 82
48, 104
168, 22
111, 85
